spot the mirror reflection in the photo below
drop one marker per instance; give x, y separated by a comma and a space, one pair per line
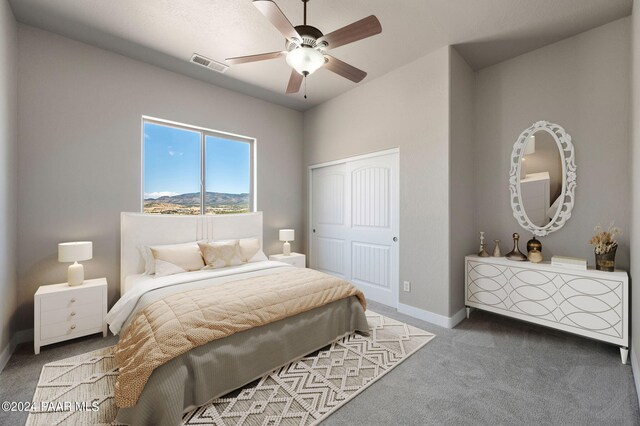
541, 178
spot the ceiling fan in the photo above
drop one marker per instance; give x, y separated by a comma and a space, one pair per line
306, 46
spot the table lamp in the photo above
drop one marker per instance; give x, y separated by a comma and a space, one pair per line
286, 235
74, 252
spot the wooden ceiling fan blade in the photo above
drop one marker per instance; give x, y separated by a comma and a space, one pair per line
343, 69
359, 30
295, 81
272, 12
255, 58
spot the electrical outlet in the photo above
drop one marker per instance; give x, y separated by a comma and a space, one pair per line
407, 286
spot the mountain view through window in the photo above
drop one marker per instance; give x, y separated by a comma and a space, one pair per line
188, 171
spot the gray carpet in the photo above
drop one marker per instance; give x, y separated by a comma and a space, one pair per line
489, 370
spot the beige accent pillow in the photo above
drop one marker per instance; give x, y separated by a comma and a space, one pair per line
165, 268
250, 250
185, 256
220, 254
150, 261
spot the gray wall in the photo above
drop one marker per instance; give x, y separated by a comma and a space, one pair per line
462, 173
406, 108
635, 185
8, 172
80, 111
581, 83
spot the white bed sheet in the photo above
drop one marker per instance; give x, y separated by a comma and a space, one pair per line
132, 280
137, 285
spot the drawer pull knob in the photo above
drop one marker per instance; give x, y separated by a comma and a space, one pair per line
73, 300
73, 327
73, 314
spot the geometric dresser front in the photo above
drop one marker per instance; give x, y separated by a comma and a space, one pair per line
589, 303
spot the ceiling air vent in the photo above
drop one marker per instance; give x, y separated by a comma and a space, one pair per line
208, 63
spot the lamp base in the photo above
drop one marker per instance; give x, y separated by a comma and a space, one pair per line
286, 249
75, 274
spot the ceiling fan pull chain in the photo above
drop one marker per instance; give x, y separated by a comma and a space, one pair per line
305, 85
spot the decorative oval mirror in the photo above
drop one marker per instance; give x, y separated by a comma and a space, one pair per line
542, 178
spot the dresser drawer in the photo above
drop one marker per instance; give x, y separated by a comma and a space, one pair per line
69, 299
55, 316
69, 328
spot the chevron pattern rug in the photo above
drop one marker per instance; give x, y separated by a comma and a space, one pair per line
302, 393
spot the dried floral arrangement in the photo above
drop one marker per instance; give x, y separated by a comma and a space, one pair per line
605, 240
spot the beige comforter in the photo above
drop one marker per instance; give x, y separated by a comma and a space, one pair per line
176, 324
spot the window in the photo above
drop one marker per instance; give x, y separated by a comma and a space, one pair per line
189, 170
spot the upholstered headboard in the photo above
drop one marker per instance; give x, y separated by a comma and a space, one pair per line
138, 229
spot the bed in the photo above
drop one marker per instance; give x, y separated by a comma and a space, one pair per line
217, 367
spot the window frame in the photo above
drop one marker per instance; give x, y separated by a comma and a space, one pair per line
204, 132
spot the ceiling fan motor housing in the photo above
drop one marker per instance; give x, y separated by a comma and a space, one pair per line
310, 36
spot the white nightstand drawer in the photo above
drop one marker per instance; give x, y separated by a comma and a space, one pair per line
294, 259
297, 261
68, 328
69, 299
73, 313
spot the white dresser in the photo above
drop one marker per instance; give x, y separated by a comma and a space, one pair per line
62, 312
590, 303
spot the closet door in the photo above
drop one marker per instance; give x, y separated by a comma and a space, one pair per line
329, 244
355, 224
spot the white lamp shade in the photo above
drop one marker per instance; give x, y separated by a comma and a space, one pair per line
75, 252
305, 60
287, 235
531, 145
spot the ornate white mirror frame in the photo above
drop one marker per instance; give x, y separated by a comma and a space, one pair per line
567, 196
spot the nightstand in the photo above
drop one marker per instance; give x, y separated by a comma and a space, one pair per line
294, 259
62, 312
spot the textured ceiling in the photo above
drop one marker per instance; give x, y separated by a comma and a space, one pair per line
167, 32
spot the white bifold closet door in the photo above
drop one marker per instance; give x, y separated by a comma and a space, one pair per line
355, 223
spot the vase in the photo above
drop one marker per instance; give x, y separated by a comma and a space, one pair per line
606, 261
534, 244
535, 256
496, 251
516, 254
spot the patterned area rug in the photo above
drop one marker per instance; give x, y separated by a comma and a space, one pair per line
79, 390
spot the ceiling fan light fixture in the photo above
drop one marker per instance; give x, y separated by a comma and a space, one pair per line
305, 60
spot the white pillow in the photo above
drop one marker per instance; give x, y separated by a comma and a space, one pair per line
165, 268
251, 251
150, 261
186, 256
220, 254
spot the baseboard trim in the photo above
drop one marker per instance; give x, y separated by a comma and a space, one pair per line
22, 336
6, 353
433, 318
635, 368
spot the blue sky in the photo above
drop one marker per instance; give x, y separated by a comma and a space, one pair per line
172, 162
